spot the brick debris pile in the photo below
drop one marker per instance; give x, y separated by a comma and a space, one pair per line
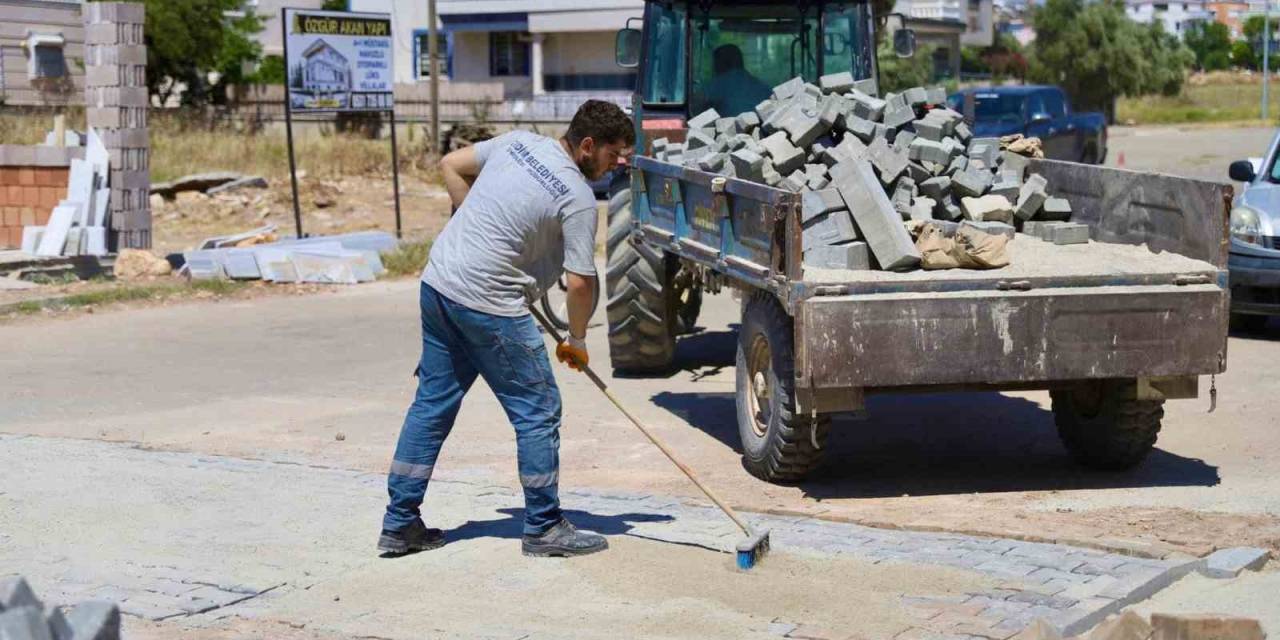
24, 617
874, 171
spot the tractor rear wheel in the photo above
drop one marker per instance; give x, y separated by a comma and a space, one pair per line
641, 307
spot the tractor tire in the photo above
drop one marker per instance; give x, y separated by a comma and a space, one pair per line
1103, 427
640, 308
777, 444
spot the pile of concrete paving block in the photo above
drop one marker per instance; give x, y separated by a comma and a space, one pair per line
867, 164
24, 617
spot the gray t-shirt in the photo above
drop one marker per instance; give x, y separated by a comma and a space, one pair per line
529, 217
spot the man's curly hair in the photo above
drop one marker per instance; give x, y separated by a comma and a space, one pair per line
604, 122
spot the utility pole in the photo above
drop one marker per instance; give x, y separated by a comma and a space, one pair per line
1266, 60
432, 51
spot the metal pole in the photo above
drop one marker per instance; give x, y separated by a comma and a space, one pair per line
1266, 59
395, 172
432, 51
288, 124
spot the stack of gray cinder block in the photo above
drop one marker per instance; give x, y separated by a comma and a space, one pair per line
116, 101
903, 156
24, 617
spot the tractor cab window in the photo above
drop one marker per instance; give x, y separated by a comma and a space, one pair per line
664, 54
740, 53
846, 39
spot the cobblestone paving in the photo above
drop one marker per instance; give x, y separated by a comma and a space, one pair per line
1072, 588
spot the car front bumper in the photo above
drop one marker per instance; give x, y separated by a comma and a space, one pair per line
1254, 274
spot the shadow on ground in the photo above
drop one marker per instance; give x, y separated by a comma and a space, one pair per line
945, 443
511, 527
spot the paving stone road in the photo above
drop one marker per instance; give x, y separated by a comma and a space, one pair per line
189, 550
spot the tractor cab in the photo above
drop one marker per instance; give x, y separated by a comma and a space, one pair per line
697, 55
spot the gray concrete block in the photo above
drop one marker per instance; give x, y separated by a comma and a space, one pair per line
794, 183
930, 129
746, 121
971, 183
24, 623
699, 138
1008, 189
1031, 197
926, 150
915, 96
692, 156
1229, 563
832, 227
818, 182
949, 229
659, 146
903, 191
812, 90
1010, 161
16, 592
918, 172
712, 161
1055, 209
963, 132
802, 125
705, 119
888, 162
771, 175
866, 106
989, 226
902, 140
868, 86
725, 126
987, 208
922, 208
937, 188
786, 156
1067, 233
937, 95
897, 115
861, 128
747, 165
94, 620
852, 255
957, 165
947, 209
849, 149
788, 88
879, 224
836, 82
812, 170
1037, 228
766, 108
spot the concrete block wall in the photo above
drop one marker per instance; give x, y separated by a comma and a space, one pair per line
116, 104
32, 181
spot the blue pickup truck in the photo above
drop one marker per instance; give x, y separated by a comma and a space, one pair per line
1036, 111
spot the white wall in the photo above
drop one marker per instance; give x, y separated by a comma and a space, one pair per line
588, 52
271, 37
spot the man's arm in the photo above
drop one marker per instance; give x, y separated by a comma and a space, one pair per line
578, 299
459, 169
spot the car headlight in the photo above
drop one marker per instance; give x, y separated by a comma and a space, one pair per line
1246, 226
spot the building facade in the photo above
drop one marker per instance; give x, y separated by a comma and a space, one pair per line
976, 17
41, 53
1231, 13
1174, 16
531, 48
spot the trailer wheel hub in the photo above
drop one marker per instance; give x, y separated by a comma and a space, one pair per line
759, 361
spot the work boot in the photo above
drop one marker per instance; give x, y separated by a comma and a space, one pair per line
415, 537
563, 540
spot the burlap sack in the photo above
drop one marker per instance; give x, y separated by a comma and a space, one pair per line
969, 249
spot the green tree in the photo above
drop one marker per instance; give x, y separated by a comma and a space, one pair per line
188, 40
334, 5
897, 73
1211, 44
1253, 36
1097, 54
1242, 55
270, 71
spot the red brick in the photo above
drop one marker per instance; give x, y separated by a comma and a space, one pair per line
46, 177
11, 216
27, 216
30, 196
50, 196
1205, 627
12, 236
8, 175
41, 216
26, 176
13, 195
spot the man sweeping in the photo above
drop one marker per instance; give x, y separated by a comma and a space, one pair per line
525, 216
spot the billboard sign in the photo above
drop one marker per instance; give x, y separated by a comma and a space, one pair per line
338, 61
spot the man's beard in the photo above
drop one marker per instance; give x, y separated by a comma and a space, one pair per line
587, 168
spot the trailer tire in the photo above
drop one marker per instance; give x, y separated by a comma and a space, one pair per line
1104, 427
778, 445
640, 306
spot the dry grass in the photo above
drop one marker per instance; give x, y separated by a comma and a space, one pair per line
1209, 98
408, 259
183, 143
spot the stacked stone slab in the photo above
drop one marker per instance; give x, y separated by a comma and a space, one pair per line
906, 156
116, 105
